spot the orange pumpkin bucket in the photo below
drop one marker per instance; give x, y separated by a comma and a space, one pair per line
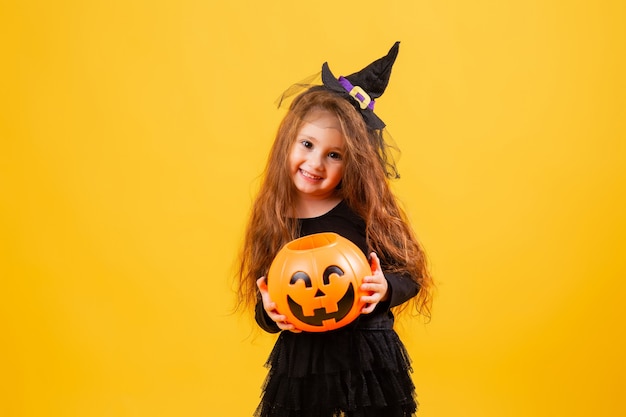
315, 281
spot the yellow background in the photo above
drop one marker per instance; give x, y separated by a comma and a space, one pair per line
132, 134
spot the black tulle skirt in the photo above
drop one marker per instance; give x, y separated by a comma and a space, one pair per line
348, 372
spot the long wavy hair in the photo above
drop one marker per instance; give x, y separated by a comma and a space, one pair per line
364, 187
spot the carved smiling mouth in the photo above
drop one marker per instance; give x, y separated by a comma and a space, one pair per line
344, 305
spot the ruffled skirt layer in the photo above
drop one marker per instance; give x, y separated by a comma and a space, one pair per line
347, 372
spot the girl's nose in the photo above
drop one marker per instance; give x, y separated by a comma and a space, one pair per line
316, 160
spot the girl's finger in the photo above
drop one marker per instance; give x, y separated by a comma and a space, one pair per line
375, 263
371, 299
368, 308
261, 283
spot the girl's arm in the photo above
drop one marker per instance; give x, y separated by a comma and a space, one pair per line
266, 314
262, 319
401, 288
387, 289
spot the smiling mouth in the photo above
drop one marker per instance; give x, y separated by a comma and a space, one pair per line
309, 175
320, 315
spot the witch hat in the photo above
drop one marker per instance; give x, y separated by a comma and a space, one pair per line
362, 87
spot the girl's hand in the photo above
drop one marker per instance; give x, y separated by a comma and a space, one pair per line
270, 308
376, 285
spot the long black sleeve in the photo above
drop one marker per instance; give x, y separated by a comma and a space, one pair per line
401, 288
263, 320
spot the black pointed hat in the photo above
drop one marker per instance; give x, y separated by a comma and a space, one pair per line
362, 87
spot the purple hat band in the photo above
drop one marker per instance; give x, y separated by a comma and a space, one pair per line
364, 100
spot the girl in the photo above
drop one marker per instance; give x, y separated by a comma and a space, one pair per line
327, 171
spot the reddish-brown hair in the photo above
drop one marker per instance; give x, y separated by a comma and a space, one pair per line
364, 187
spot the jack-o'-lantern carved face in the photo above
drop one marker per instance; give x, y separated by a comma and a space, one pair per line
315, 281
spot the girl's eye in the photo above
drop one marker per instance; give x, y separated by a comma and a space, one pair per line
307, 144
334, 155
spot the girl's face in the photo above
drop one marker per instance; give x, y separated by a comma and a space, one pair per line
316, 157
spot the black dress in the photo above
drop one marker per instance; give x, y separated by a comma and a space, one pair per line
360, 370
